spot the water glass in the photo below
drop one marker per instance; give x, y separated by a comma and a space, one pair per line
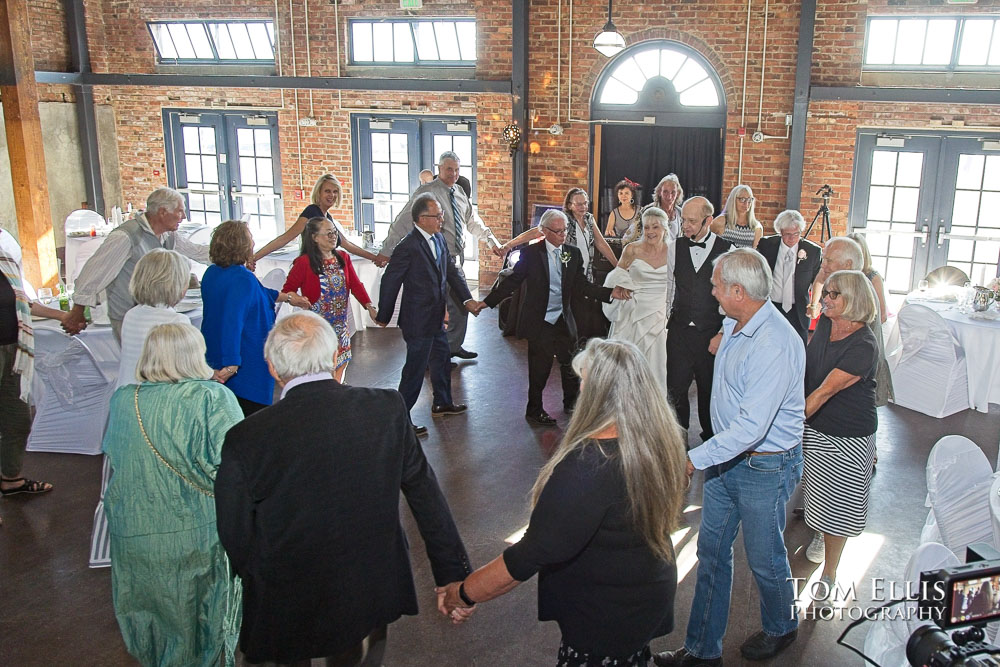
45, 295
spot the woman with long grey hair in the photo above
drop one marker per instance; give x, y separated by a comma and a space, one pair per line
605, 505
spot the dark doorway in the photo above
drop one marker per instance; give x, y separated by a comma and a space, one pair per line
647, 154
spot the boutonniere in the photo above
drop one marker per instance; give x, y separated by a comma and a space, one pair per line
565, 257
801, 256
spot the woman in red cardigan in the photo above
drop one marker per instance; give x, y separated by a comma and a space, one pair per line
325, 276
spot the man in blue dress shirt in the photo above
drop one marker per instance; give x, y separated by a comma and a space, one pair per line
752, 464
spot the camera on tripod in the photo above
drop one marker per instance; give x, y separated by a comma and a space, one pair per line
826, 192
967, 596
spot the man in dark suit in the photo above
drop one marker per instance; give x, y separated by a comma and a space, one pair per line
794, 264
695, 325
422, 265
551, 270
307, 505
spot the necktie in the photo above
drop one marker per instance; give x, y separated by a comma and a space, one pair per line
699, 244
787, 281
459, 232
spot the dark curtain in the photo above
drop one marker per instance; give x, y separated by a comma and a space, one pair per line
646, 154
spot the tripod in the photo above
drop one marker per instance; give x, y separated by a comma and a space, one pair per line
824, 210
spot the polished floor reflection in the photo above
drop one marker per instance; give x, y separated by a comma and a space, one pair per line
55, 611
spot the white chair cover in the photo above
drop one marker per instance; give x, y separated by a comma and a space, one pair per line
959, 477
275, 279
929, 374
886, 640
995, 510
75, 395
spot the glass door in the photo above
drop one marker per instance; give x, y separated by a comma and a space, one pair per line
226, 165
458, 137
389, 163
967, 233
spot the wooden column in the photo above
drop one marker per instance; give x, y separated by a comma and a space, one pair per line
24, 144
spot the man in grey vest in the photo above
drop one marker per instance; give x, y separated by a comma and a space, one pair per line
110, 268
458, 217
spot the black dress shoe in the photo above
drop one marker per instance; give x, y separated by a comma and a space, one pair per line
464, 354
763, 646
420, 430
454, 365
681, 658
451, 409
542, 417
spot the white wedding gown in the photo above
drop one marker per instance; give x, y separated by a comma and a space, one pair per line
643, 318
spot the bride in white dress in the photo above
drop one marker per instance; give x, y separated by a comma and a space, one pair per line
644, 269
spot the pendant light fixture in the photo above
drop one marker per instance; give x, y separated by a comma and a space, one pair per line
609, 41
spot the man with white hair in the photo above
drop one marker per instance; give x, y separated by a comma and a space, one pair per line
751, 464
110, 269
458, 217
794, 263
307, 499
840, 253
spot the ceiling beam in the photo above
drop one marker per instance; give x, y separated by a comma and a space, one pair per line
925, 95
271, 81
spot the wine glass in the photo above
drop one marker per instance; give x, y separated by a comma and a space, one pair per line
45, 295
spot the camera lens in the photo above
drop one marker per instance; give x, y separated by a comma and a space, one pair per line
929, 645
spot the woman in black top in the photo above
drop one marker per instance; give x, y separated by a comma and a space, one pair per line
839, 441
326, 194
604, 508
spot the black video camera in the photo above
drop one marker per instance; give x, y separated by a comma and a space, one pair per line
956, 597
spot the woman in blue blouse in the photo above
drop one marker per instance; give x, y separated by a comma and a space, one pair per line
239, 313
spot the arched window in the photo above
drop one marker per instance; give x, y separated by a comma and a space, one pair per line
664, 79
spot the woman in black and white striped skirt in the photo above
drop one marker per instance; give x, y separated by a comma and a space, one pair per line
839, 441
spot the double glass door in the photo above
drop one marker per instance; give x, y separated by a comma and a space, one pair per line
390, 153
226, 165
925, 201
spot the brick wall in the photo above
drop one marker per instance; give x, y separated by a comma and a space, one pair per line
120, 43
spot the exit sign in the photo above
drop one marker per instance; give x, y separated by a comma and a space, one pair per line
411, 4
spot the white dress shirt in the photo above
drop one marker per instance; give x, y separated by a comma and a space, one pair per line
698, 255
105, 264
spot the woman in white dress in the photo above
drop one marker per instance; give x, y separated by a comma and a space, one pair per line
645, 270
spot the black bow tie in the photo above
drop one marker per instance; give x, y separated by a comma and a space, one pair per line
701, 244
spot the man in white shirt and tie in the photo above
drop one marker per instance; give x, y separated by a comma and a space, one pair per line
794, 263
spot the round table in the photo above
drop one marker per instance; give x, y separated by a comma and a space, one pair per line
979, 336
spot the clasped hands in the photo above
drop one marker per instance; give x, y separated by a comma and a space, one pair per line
475, 307
450, 603
621, 293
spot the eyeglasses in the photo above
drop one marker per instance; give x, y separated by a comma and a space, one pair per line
833, 294
439, 216
580, 203
330, 235
557, 232
744, 200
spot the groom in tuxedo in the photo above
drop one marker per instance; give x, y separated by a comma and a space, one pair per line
695, 326
421, 264
551, 270
795, 263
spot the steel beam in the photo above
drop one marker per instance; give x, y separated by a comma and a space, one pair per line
800, 105
519, 89
270, 81
86, 118
918, 95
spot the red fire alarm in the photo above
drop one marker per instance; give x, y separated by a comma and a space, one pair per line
741, 132
156, 172
300, 194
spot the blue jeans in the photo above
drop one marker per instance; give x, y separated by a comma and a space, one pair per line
752, 490
422, 351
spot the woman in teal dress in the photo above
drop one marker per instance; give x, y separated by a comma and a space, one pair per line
174, 596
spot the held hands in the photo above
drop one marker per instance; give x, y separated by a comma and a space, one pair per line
74, 322
298, 300
475, 307
813, 310
621, 293
381, 260
498, 250
372, 312
451, 605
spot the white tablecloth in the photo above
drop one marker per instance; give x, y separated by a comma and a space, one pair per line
70, 417
979, 337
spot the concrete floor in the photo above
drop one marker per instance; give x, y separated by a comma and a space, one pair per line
56, 611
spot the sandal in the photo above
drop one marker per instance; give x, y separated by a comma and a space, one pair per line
27, 486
